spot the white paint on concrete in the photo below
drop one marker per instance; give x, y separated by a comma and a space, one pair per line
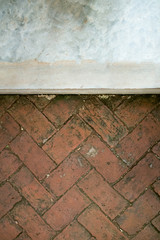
100, 30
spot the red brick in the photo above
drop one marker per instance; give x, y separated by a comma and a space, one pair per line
98, 225
67, 207
148, 233
156, 113
140, 177
157, 187
103, 121
32, 223
39, 101
73, 232
6, 101
103, 159
32, 155
8, 198
61, 108
156, 222
8, 229
67, 174
133, 110
9, 164
8, 130
156, 149
142, 211
32, 120
23, 236
32, 190
133, 146
102, 194
67, 139
112, 101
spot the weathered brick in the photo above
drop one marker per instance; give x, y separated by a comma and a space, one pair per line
156, 113
9, 164
140, 177
103, 121
133, 110
102, 194
67, 139
103, 159
133, 146
61, 108
8, 229
74, 232
67, 207
32, 190
148, 233
67, 174
156, 149
23, 236
33, 224
8, 130
6, 101
142, 211
8, 198
98, 225
39, 101
32, 120
32, 155
156, 222
157, 187
112, 101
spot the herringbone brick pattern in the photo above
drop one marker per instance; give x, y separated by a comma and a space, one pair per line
79, 167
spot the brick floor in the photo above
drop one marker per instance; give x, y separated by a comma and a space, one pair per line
80, 167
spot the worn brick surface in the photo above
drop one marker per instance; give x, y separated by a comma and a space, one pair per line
8, 130
23, 236
112, 101
134, 109
32, 155
103, 121
67, 105
74, 232
100, 227
32, 120
79, 167
8, 198
142, 211
67, 174
40, 101
6, 101
156, 222
8, 229
64, 211
33, 224
67, 139
103, 159
140, 177
32, 190
157, 187
9, 164
148, 233
133, 146
102, 194
156, 149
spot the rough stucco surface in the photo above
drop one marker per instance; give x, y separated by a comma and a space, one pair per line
101, 30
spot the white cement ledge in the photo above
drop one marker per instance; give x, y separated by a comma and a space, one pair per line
71, 78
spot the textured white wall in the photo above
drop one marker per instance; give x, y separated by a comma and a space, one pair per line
101, 30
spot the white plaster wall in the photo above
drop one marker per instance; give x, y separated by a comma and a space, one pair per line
100, 30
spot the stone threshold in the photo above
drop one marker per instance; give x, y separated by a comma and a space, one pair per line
87, 77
